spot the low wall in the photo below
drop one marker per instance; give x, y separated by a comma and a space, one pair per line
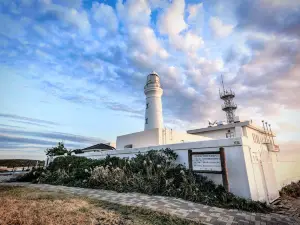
287, 167
237, 174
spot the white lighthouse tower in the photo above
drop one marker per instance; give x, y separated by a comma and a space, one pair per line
153, 92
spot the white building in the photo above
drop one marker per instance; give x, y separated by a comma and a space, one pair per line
252, 164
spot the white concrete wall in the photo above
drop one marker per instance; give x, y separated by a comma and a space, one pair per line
170, 136
156, 136
256, 136
139, 139
237, 174
252, 154
287, 167
216, 134
261, 171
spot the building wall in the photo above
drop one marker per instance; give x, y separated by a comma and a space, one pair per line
237, 174
170, 136
156, 136
139, 139
287, 167
252, 153
256, 136
217, 134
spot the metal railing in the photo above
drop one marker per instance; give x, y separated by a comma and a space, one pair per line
229, 105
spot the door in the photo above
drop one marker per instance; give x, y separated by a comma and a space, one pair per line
269, 177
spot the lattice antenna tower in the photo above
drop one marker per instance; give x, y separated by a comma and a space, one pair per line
229, 107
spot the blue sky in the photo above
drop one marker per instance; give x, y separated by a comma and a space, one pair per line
74, 70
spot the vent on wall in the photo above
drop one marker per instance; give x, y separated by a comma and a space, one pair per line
128, 146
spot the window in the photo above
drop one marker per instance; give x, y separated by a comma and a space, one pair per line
229, 134
147, 105
146, 122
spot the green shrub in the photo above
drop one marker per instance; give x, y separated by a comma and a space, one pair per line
291, 190
32, 176
153, 173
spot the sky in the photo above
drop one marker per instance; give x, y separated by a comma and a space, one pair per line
74, 70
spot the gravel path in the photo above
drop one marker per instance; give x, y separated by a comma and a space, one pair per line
178, 207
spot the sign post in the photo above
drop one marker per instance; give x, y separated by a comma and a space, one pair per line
209, 162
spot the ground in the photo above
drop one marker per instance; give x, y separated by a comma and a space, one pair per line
167, 206
287, 206
21, 205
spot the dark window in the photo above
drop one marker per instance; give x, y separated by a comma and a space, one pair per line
230, 135
146, 121
147, 105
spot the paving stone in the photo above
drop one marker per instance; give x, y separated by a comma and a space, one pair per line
178, 207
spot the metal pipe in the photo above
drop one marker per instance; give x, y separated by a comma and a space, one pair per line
268, 132
271, 134
264, 131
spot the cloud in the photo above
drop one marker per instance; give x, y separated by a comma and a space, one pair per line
10, 126
271, 16
27, 119
188, 42
105, 16
196, 17
220, 29
134, 12
22, 140
52, 135
106, 67
30, 123
70, 16
143, 38
172, 22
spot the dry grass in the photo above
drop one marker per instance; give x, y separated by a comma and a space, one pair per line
24, 206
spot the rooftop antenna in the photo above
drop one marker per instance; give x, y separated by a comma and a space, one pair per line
268, 132
223, 83
271, 134
265, 133
227, 95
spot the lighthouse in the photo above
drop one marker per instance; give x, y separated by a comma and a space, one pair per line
153, 92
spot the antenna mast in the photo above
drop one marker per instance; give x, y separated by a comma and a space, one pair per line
227, 95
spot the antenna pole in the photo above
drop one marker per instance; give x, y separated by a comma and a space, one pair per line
271, 134
264, 131
229, 106
268, 132
223, 83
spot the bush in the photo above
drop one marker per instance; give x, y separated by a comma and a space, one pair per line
32, 176
154, 172
291, 190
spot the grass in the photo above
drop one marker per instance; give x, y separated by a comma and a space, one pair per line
20, 205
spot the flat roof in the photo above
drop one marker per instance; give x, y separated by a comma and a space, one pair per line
227, 126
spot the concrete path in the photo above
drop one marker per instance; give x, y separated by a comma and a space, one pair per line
178, 207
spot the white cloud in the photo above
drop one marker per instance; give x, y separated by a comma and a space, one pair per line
136, 18
188, 42
134, 12
172, 22
71, 16
144, 38
105, 16
220, 29
196, 17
